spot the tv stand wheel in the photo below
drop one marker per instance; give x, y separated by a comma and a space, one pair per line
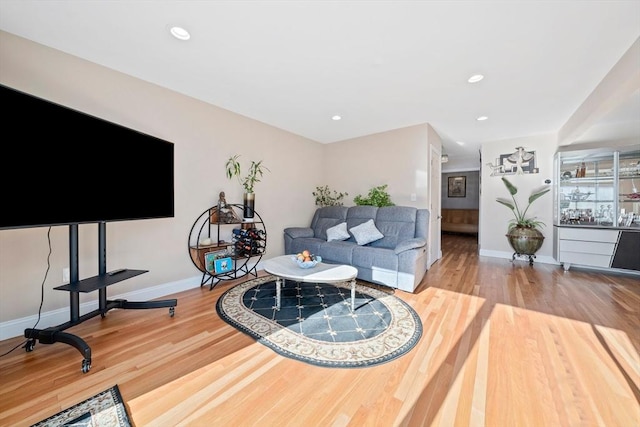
86, 365
29, 345
172, 311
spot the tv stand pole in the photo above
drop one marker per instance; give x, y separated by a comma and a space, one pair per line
75, 287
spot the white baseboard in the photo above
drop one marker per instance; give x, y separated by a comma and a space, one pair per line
509, 255
16, 327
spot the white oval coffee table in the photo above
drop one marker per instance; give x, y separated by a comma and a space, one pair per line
284, 267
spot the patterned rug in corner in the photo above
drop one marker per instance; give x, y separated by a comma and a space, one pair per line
105, 409
315, 323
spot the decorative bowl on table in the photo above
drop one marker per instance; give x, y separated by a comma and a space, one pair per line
306, 260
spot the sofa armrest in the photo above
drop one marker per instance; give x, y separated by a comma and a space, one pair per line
410, 244
295, 232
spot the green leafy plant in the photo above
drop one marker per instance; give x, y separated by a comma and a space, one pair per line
326, 197
256, 171
521, 220
377, 196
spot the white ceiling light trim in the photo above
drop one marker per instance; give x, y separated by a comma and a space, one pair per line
475, 78
180, 33
481, 118
336, 118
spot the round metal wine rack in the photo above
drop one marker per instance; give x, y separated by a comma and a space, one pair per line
245, 247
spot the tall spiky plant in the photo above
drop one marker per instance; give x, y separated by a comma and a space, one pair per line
520, 216
256, 170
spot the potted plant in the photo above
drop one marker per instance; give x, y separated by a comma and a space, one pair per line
325, 197
256, 171
523, 233
377, 196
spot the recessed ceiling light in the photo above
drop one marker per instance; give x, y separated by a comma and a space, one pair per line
180, 33
475, 78
481, 118
336, 117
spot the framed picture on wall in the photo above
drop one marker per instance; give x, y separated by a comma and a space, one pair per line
457, 186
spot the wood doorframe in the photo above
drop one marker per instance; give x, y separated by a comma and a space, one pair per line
435, 201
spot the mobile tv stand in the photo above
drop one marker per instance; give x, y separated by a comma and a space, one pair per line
75, 287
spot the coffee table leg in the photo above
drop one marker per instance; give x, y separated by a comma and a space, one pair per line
353, 294
278, 284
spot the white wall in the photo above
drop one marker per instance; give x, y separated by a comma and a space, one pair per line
205, 137
620, 83
398, 158
494, 217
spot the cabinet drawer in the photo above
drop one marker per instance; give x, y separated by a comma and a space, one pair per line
598, 248
610, 236
592, 260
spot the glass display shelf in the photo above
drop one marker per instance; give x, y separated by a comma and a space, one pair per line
598, 187
586, 193
628, 193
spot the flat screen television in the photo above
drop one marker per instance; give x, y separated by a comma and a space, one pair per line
61, 166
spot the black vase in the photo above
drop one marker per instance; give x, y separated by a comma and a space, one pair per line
249, 200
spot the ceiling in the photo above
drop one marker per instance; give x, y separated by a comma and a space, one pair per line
381, 65
622, 123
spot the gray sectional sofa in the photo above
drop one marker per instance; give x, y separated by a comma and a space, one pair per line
397, 259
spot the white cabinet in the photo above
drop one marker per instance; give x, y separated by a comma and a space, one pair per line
594, 248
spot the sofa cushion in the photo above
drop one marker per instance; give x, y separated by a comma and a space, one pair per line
338, 232
397, 224
312, 244
296, 232
327, 217
322, 225
407, 245
356, 215
374, 258
366, 233
338, 252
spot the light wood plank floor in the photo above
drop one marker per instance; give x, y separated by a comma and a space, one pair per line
504, 344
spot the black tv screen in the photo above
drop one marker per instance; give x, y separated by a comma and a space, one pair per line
61, 166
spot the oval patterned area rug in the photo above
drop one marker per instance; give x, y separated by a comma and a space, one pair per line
315, 323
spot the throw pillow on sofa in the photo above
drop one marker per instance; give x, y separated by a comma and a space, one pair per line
338, 232
366, 233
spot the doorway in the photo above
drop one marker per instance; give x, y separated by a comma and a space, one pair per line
460, 202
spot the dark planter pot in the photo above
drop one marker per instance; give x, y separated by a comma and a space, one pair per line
249, 202
524, 240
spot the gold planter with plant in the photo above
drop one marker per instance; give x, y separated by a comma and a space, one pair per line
256, 170
523, 233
